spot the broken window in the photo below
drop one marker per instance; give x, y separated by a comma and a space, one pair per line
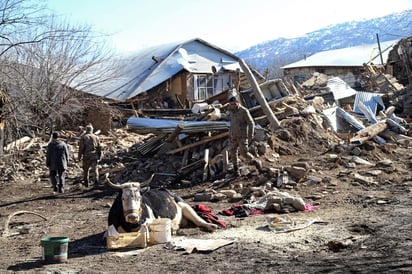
208, 85
204, 86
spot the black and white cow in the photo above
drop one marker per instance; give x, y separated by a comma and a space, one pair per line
134, 207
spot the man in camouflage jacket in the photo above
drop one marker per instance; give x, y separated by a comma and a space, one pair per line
90, 152
241, 132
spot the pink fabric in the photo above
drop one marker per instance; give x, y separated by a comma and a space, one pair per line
309, 207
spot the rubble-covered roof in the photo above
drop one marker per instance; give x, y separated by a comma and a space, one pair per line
347, 57
149, 67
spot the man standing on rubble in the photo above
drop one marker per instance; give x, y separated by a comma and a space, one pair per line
241, 132
90, 152
57, 157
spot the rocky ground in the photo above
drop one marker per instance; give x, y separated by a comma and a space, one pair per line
362, 197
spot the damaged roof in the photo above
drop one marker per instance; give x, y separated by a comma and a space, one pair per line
150, 67
347, 57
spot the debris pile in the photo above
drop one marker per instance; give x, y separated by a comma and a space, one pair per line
191, 149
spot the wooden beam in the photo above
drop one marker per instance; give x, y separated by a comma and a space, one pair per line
191, 167
205, 167
17, 144
369, 132
356, 123
396, 137
174, 134
203, 141
273, 121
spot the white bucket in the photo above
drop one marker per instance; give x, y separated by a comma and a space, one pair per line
160, 231
199, 108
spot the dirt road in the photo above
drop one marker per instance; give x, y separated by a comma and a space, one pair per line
365, 227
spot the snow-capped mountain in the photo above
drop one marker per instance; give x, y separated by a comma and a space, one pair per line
273, 54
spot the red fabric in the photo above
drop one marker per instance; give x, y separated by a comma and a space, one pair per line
206, 214
241, 211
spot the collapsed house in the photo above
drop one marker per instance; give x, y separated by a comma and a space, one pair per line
339, 76
347, 63
188, 146
200, 141
173, 76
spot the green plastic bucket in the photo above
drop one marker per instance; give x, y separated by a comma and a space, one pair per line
55, 249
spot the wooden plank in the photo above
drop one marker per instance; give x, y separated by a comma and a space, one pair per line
356, 123
205, 167
17, 144
369, 132
203, 141
174, 134
396, 137
191, 167
273, 121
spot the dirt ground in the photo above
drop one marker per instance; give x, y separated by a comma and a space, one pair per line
364, 227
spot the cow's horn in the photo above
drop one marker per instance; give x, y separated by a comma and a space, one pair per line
110, 182
148, 181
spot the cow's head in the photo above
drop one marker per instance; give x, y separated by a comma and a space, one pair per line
131, 199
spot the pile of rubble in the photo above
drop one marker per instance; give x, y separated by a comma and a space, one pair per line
191, 150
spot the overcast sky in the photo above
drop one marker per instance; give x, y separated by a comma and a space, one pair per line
230, 24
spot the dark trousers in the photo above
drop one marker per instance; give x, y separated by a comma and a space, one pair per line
57, 178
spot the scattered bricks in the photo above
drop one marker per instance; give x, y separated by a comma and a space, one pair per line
304, 165
385, 162
236, 198
218, 197
326, 180
364, 179
296, 172
202, 197
361, 161
313, 180
229, 193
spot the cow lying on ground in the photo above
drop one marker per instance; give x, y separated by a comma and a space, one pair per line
134, 207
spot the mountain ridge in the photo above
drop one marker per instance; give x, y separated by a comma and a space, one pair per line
271, 55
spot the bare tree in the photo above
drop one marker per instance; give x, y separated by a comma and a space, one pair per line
42, 75
17, 17
43, 68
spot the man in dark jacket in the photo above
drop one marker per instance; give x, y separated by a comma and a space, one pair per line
57, 158
90, 152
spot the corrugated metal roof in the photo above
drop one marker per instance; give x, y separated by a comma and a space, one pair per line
340, 88
346, 57
140, 72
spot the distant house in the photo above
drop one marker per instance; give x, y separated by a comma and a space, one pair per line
346, 63
174, 75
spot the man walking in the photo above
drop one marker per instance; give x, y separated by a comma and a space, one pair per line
56, 160
90, 153
241, 132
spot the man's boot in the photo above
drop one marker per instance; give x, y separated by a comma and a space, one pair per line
61, 189
236, 171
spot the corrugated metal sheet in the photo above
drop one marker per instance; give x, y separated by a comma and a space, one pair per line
148, 125
347, 57
370, 100
139, 72
339, 88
